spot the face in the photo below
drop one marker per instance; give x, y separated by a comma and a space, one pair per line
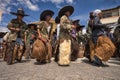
67, 13
75, 25
20, 17
32, 27
100, 15
48, 18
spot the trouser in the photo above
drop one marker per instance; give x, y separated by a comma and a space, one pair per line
64, 52
49, 53
18, 53
18, 50
27, 51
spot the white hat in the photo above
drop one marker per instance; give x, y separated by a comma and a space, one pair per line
96, 12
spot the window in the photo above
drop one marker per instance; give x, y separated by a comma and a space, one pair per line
108, 14
115, 13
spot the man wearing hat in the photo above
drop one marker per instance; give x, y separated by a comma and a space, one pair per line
75, 45
17, 26
74, 29
44, 30
64, 36
30, 37
102, 47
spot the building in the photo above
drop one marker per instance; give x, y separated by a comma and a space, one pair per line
110, 16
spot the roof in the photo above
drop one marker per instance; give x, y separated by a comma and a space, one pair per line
4, 29
111, 8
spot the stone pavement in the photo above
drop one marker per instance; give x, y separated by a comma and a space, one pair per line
78, 70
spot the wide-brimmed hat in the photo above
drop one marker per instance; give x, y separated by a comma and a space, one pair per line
79, 27
57, 20
31, 24
45, 13
64, 9
82, 26
19, 12
76, 21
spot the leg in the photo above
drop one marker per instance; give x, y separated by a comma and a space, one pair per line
27, 51
20, 53
91, 51
20, 49
15, 53
49, 54
65, 52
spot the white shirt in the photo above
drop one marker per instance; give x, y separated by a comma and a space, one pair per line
48, 29
58, 31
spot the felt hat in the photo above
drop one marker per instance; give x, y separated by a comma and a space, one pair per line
46, 13
19, 12
65, 9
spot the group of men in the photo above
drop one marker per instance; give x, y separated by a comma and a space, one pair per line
67, 37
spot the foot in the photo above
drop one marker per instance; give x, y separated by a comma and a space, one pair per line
98, 61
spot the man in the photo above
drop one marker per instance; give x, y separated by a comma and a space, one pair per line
56, 42
75, 45
43, 51
102, 47
17, 27
64, 35
30, 37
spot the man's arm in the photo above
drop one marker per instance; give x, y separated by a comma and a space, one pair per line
97, 23
10, 27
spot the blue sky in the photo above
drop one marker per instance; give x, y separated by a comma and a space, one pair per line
35, 7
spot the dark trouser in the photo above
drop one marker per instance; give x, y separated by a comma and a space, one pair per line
94, 39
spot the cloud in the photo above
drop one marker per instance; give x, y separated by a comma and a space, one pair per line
58, 2
0, 15
3, 29
3, 24
5, 5
69, 1
31, 6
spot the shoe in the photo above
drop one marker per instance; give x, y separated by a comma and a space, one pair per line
98, 61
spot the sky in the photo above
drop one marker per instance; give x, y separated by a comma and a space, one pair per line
35, 7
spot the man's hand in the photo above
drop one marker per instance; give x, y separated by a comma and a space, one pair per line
32, 36
41, 38
17, 29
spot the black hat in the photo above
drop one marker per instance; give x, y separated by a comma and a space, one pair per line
57, 20
76, 21
64, 9
45, 13
29, 25
19, 12
35, 26
82, 26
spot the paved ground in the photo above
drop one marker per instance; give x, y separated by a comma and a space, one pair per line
78, 70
